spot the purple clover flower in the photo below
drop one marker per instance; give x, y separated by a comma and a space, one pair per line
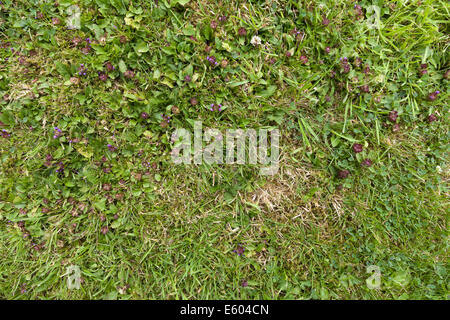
344, 64
239, 250
146, 164
82, 70
111, 147
23, 289
295, 31
57, 133
432, 96
110, 67
102, 76
215, 107
5, 134
60, 167
166, 118
212, 60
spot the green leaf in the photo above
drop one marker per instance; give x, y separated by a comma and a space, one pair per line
167, 83
401, 277
169, 51
69, 184
20, 23
268, 92
61, 68
236, 83
207, 32
101, 205
98, 49
137, 193
189, 31
226, 46
7, 117
428, 52
117, 223
84, 151
173, 3
141, 47
156, 74
131, 96
122, 66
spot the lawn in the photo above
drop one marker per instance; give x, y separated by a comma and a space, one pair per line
91, 92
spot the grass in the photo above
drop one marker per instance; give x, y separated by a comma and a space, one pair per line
172, 229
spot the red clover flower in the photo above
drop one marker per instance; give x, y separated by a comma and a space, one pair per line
432, 117
304, 59
393, 115
357, 148
102, 76
342, 174
366, 162
242, 32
